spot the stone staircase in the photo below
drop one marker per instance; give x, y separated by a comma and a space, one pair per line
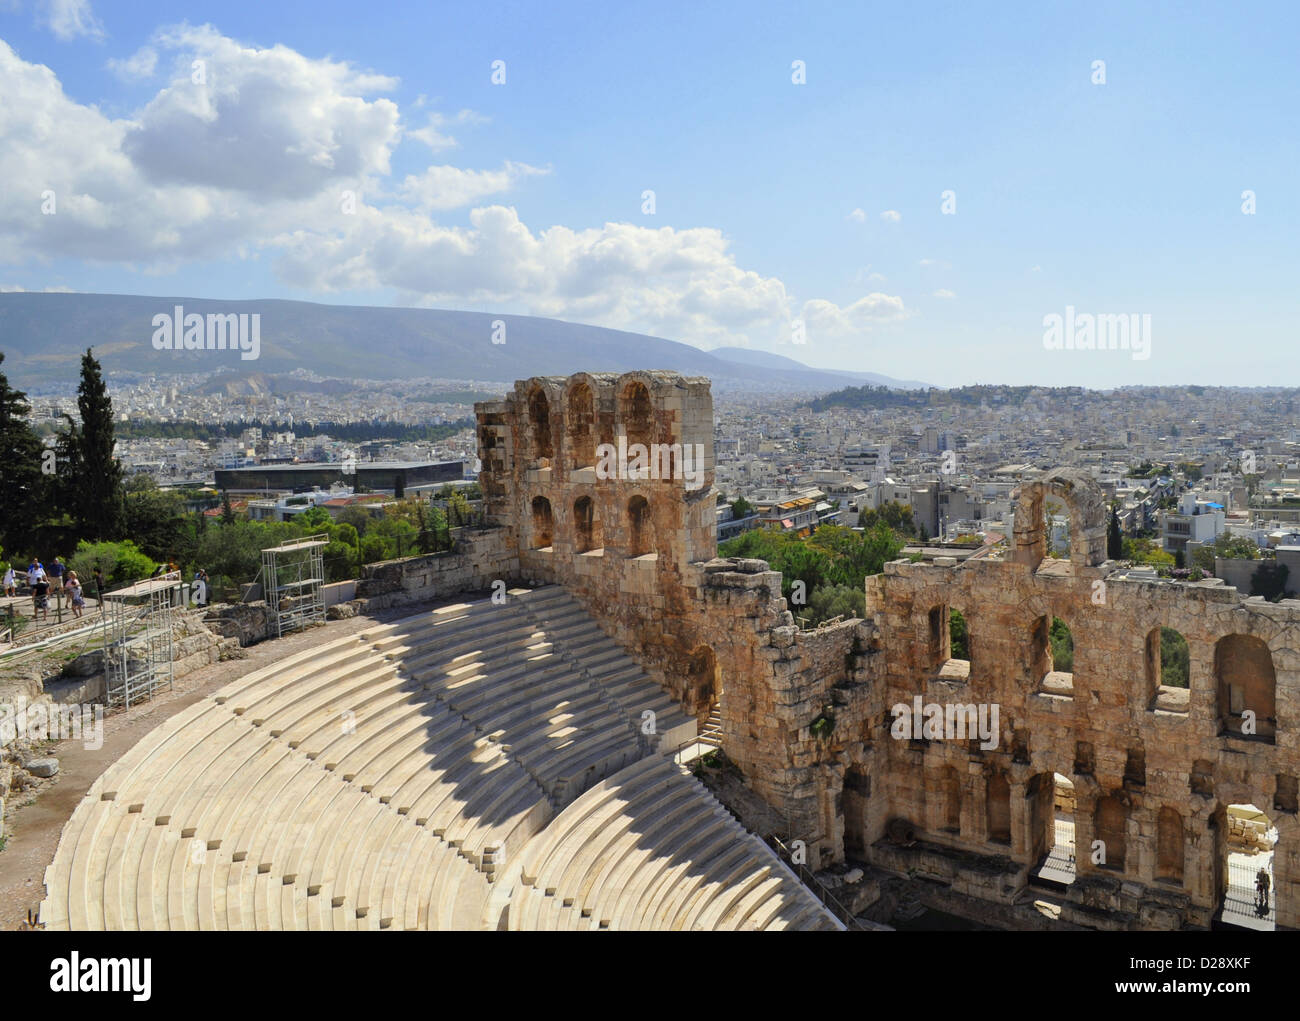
393, 778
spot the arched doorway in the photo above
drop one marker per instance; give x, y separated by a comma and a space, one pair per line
704, 682
1051, 828
1247, 840
857, 789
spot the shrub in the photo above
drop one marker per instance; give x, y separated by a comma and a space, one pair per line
121, 562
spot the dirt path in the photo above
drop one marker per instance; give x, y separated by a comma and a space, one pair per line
34, 829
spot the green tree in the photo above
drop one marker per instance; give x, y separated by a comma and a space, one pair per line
227, 512
25, 488
1062, 646
959, 635
156, 521
121, 562
1174, 658
835, 601
315, 519
358, 517
1114, 537
741, 508
1269, 581
97, 502
897, 516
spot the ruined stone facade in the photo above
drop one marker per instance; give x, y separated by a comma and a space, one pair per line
807, 714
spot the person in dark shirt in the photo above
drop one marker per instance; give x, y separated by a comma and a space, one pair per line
41, 599
55, 572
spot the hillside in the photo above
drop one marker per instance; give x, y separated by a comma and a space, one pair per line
44, 334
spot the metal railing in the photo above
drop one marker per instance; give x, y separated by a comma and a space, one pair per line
1242, 897
809, 879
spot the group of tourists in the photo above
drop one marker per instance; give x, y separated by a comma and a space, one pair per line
43, 581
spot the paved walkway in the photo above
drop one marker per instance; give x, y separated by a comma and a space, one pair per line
38, 628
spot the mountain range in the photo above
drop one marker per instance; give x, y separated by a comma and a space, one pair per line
43, 336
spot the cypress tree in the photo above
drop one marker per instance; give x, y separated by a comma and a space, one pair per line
23, 484
99, 498
1114, 538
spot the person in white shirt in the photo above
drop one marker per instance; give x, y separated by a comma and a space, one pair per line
11, 582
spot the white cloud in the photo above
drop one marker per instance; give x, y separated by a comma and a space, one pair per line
944, 293
446, 187
254, 162
827, 320
432, 133
858, 216
19, 289
264, 121
141, 64
891, 216
70, 19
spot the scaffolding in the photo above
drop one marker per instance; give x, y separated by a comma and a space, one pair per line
137, 624
292, 576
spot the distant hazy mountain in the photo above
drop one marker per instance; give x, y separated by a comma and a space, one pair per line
763, 359
43, 336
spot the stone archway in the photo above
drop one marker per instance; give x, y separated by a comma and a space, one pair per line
704, 681
1246, 683
1086, 506
640, 527
580, 423
543, 523
539, 421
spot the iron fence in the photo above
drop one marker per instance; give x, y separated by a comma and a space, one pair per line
1242, 897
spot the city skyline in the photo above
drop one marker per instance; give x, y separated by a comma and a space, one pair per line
923, 209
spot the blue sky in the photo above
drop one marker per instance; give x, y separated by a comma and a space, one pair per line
774, 202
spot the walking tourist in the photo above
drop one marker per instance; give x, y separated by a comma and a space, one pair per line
72, 586
41, 598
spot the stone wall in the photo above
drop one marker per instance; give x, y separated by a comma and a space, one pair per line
480, 558
1154, 768
809, 716
627, 547
638, 553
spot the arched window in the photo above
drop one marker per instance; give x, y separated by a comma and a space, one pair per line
582, 427
637, 413
1247, 684
950, 788
1169, 845
586, 529
543, 525
539, 418
998, 809
1110, 823
640, 530
938, 633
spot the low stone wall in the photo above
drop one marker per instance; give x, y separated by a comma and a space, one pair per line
480, 558
246, 623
